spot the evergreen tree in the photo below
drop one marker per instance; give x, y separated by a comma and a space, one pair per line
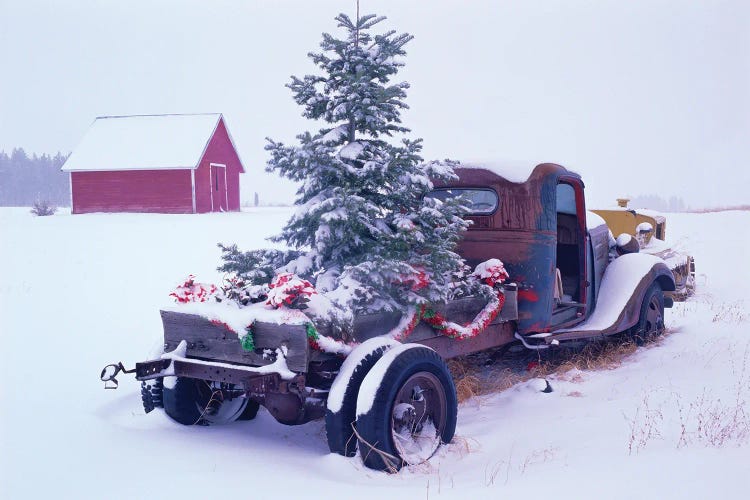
27, 179
364, 229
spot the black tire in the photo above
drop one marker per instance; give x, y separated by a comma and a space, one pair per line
198, 402
152, 392
651, 318
250, 411
339, 425
415, 395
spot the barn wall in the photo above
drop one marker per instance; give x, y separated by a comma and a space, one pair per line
156, 191
219, 150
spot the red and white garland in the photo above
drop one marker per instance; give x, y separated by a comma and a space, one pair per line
287, 290
456, 331
491, 272
190, 291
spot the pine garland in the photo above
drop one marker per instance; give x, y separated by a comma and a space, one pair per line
246, 341
313, 336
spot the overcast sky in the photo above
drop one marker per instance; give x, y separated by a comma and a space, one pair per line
640, 97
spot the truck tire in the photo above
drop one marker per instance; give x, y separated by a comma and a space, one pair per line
250, 411
152, 393
341, 412
651, 318
406, 408
198, 402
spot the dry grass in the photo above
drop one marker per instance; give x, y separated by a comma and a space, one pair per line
473, 378
705, 419
467, 384
480, 374
43, 209
463, 445
728, 312
594, 356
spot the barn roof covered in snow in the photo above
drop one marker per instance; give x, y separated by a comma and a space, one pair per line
144, 142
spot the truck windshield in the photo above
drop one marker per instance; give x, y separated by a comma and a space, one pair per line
481, 201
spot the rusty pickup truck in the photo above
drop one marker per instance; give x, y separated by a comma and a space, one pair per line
394, 401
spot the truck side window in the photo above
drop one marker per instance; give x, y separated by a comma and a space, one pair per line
566, 199
481, 201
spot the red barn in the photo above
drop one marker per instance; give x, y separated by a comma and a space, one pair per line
155, 163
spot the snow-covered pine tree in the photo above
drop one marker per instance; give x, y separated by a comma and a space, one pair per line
363, 231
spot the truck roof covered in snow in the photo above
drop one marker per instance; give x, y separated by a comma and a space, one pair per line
516, 172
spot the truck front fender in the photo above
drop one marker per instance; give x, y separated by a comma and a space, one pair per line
623, 288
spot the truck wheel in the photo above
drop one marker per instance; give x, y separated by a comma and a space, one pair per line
406, 408
199, 402
250, 411
341, 412
152, 392
651, 320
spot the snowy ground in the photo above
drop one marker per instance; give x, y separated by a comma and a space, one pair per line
78, 292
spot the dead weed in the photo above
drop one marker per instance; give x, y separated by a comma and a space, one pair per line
487, 373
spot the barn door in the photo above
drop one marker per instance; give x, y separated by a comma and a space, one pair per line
219, 194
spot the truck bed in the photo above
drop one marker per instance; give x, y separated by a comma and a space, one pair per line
211, 341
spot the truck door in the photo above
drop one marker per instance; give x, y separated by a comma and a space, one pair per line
570, 297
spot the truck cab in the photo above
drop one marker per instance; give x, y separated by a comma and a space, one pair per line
555, 250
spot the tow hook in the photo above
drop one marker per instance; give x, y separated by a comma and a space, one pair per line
110, 372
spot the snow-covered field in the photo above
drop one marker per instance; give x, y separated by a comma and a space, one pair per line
79, 292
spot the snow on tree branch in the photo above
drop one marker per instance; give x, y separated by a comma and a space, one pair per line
364, 232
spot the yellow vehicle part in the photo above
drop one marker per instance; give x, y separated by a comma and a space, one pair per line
622, 219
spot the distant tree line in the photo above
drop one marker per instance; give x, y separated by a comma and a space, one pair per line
26, 179
656, 202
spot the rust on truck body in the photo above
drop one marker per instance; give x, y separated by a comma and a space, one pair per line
523, 233
531, 230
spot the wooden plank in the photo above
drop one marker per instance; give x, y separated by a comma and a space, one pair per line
228, 351
191, 327
459, 311
209, 341
368, 326
494, 336
294, 337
